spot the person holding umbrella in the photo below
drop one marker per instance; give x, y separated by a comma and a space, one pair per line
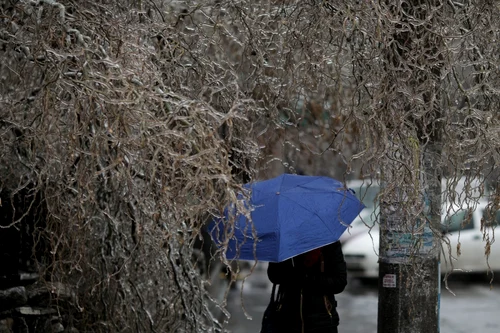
295, 224
308, 284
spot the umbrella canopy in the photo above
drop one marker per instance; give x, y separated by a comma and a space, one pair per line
291, 214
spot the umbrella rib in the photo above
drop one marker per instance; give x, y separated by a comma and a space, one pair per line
278, 227
346, 197
312, 212
301, 185
281, 185
278, 219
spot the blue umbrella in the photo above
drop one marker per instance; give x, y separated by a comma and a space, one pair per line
290, 215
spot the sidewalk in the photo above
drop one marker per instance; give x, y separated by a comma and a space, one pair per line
474, 309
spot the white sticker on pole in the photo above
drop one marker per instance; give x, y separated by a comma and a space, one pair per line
389, 281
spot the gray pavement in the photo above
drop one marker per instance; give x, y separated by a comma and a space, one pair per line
474, 308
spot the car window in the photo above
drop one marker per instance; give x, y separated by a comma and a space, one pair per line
457, 221
489, 220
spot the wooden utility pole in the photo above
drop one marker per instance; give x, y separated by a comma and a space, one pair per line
409, 269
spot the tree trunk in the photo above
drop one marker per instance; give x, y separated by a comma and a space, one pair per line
409, 273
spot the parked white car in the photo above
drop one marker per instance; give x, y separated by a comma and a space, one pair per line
366, 191
361, 251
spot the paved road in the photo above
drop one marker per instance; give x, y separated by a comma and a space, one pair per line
475, 308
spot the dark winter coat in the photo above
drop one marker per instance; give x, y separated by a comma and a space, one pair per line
307, 291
